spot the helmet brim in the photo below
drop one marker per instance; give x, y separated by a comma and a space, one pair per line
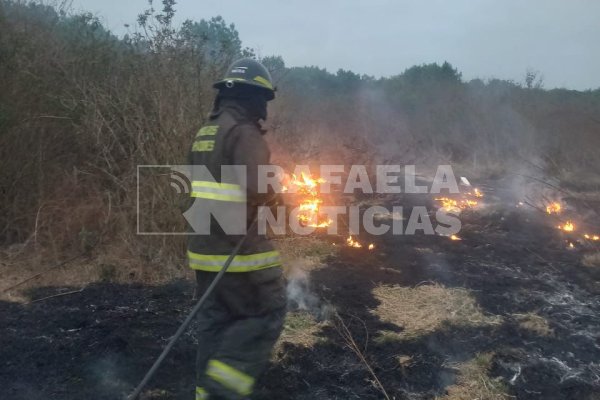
230, 83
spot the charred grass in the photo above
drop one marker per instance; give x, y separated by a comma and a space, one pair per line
490, 317
507, 312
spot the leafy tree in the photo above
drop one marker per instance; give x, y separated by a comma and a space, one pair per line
533, 79
276, 66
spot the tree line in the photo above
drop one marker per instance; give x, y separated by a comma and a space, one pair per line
80, 108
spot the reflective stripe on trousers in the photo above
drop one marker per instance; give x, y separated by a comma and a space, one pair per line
218, 191
240, 263
201, 394
229, 377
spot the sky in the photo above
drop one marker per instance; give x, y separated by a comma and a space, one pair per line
481, 38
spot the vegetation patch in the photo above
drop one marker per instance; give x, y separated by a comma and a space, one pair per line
591, 260
304, 252
534, 323
423, 309
474, 381
300, 329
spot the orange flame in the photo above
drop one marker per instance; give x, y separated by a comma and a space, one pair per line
306, 184
468, 203
447, 203
454, 237
452, 205
567, 227
309, 209
554, 208
353, 243
356, 244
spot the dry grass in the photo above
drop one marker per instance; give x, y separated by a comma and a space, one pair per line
481, 169
584, 183
18, 266
474, 381
303, 251
114, 263
534, 323
591, 260
423, 309
126, 262
301, 255
300, 328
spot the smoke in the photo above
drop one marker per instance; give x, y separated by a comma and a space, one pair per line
300, 295
106, 373
438, 266
530, 184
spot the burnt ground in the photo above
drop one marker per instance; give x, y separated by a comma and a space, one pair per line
97, 344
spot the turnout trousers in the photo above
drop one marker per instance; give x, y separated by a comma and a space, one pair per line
238, 327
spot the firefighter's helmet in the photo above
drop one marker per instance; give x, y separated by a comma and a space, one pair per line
247, 71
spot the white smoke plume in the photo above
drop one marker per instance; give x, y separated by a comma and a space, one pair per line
300, 295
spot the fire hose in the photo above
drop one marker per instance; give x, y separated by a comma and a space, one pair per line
190, 317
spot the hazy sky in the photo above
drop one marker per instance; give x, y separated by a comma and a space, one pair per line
482, 38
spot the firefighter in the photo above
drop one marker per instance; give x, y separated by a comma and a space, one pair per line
243, 317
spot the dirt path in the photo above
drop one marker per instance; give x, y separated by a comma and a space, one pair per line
98, 343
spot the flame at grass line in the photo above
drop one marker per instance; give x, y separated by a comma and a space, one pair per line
456, 206
356, 244
570, 227
305, 184
307, 189
554, 208
567, 227
452, 205
353, 243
